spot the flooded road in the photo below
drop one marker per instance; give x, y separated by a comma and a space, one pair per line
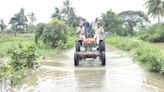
120, 74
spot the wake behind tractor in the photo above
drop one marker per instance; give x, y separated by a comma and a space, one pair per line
88, 48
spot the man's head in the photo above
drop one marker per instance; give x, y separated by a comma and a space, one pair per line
98, 24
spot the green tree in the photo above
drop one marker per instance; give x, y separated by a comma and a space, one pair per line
66, 14
56, 14
31, 27
54, 33
155, 8
76, 21
2, 25
133, 19
71, 16
39, 31
32, 18
68, 11
112, 23
19, 21
66, 7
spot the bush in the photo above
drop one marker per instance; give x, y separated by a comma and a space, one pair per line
23, 56
151, 56
39, 31
153, 33
54, 33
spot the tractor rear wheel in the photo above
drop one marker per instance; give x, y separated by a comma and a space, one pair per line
102, 46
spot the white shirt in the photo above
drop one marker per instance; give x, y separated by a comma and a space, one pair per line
80, 30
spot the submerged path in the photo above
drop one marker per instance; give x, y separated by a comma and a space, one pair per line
120, 74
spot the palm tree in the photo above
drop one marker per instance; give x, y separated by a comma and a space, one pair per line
66, 10
19, 21
71, 16
56, 14
155, 8
32, 17
2, 25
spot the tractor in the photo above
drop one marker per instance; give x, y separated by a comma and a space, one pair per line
88, 48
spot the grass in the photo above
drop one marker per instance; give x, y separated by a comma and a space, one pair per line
8, 41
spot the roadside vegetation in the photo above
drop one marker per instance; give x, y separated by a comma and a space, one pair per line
153, 33
23, 41
148, 55
129, 30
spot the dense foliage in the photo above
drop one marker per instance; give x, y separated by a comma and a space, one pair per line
151, 56
133, 19
112, 23
21, 58
19, 22
55, 33
152, 33
124, 23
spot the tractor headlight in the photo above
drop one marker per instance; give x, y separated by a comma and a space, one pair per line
82, 49
94, 49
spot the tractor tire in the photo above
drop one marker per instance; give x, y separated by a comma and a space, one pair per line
103, 58
76, 59
78, 44
102, 46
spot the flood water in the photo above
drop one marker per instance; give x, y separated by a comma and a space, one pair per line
120, 74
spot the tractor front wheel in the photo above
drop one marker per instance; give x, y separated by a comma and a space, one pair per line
103, 58
76, 59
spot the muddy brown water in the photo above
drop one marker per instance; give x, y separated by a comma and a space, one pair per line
120, 74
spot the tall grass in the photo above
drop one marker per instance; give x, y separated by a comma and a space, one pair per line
9, 41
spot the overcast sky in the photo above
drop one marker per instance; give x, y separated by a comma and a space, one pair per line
89, 9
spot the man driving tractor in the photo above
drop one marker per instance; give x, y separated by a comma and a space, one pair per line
98, 33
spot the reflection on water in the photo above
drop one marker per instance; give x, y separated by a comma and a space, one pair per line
120, 74
90, 80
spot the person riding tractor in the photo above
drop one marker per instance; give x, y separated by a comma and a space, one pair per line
99, 33
94, 23
80, 31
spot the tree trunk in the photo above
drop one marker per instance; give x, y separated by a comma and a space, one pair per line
131, 29
159, 18
15, 33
